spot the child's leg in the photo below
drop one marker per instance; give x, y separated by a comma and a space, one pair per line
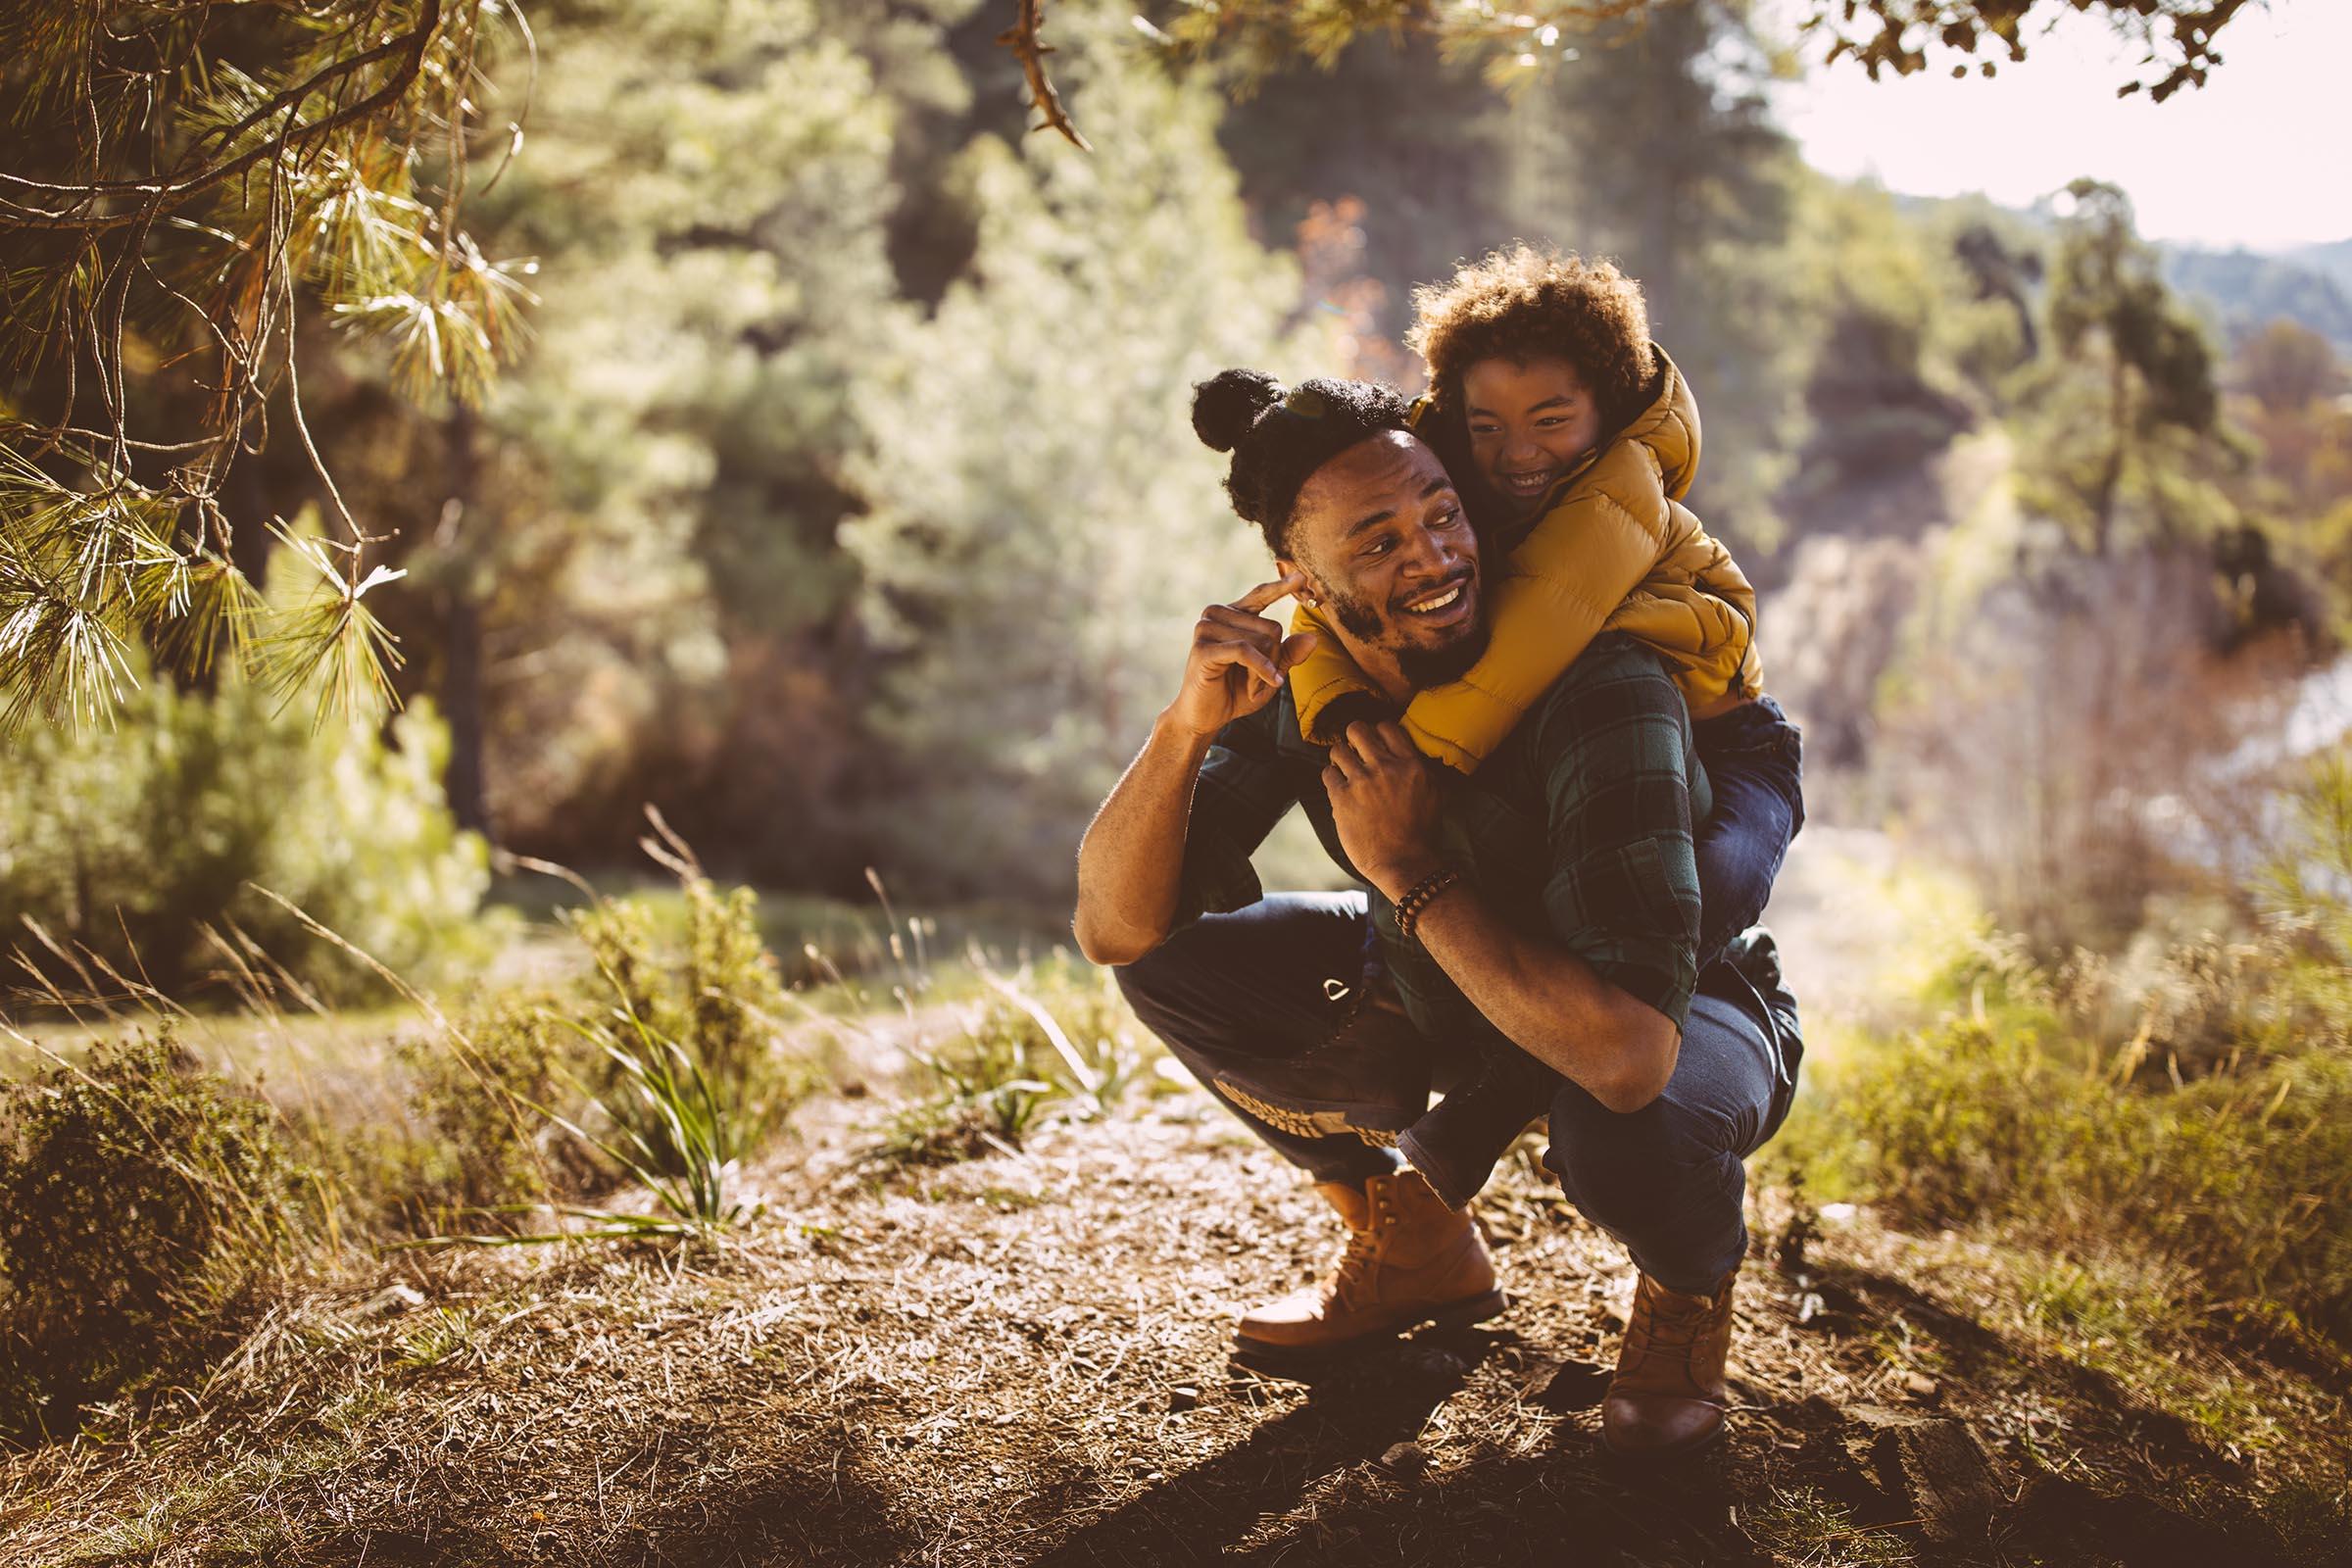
1755, 759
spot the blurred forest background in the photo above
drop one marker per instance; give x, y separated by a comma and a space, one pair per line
791, 442
839, 500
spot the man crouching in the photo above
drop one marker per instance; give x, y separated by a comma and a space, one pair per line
1550, 901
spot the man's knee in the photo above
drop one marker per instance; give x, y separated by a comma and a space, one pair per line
1181, 992
1158, 980
1611, 1162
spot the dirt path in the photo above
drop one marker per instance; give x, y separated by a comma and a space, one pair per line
1021, 1360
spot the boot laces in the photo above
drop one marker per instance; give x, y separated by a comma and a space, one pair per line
1671, 1325
1357, 1262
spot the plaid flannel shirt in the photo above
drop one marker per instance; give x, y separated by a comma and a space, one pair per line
1579, 826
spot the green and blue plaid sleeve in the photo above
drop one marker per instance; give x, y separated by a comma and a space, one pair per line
1242, 792
1615, 751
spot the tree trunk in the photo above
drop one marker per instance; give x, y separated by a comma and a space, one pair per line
1662, 62
2119, 393
462, 643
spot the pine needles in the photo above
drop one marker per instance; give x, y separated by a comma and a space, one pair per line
190, 180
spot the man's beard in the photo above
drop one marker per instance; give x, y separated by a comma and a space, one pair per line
1356, 614
1435, 667
1422, 667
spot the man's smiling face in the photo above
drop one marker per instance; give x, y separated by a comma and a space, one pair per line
1381, 537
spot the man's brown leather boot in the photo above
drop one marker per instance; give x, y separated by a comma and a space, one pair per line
1409, 1261
1667, 1395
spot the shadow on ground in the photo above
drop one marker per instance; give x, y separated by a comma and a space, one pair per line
1318, 1484
1900, 1486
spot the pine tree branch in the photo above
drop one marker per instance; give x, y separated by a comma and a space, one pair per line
160, 197
273, 151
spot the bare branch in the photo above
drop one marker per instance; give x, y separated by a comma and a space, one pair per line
1031, 51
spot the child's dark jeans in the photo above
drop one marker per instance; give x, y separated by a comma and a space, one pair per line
1754, 759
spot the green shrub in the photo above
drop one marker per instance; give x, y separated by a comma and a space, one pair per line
2217, 1134
983, 1097
676, 1131
664, 1060
143, 1203
2187, 1103
1027, 1049
485, 1105
1079, 1035
130, 839
2308, 886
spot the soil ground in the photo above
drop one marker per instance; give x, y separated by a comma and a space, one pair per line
1023, 1360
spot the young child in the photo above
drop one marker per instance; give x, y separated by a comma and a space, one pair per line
1574, 438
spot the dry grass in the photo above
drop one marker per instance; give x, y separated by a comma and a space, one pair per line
1021, 1358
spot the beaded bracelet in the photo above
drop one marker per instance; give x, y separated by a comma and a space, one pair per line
1420, 896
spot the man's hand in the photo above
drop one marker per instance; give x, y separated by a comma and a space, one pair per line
1238, 661
1385, 806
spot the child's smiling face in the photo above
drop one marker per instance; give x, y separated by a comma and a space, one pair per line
1529, 423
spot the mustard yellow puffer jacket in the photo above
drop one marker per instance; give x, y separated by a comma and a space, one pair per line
1614, 550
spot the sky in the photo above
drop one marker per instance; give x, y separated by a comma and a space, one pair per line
2254, 158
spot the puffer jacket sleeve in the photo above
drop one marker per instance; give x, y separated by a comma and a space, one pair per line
1564, 581
1700, 610
1325, 675
1712, 567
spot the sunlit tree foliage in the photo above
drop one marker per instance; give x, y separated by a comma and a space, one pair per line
1524, 38
2124, 410
651, 531
185, 190
1043, 524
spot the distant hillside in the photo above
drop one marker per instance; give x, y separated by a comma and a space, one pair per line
2237, 290
2334, 258
2240, 290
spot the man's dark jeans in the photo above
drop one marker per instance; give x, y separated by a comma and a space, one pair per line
1285, 974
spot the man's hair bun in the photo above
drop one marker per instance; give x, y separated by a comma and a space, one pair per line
1279, 435
1228, 404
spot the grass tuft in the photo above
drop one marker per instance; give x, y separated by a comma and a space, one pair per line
1803, 1529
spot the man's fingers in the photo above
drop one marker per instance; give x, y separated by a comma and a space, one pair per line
1266, 593
1224, 654
1364, 739
1294, 648
1344, 757
1375, 747
1257, 627
1334, 779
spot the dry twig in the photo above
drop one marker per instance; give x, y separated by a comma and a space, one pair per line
1028, 48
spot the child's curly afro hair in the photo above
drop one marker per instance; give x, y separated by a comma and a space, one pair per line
1522, 304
